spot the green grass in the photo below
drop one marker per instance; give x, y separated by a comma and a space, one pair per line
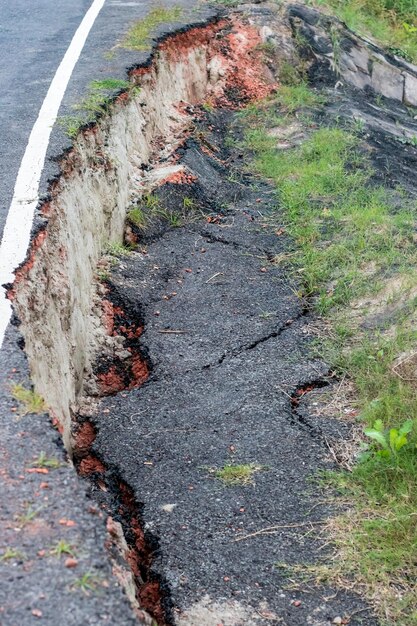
349, 245
71, 124
237, 474
29, 400
109, 84
62, 548
44, 461
137, 217
95, 103
139, 35
28, 515
11, 554
116, 249
87, 583
391, 22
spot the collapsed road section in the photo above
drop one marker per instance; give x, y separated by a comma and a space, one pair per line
173, 363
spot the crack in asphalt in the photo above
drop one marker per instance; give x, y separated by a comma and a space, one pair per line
246, 347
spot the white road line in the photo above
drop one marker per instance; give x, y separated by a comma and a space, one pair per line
16, 235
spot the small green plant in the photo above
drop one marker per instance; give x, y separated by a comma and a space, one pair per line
150, 201
335, 39
358, 125
71, 124
237, 474
227, 3
94, 104
389, 440
294, 97
103, 275
408, 141
137, 217
174, 219
188, 203
29, 400
109, 84
139, 35
291, 75
10, 554
87, 583
62, 547
117, 250
27, 516
208, 107
44, 461
267, 47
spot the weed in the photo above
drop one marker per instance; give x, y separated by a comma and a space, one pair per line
230, 142
116, 249
62, 547
358, 125
48, 462
103, 275
109, 84
109, 55
237, 474
87, 583
408, 141
29, 400
137, 217
188, 203
291, 75
139, 35
267, 47
208, 107
266, 315
335, 39
93, 104
390, 441
151, 202
11, 554
71, 124
28, 516
174, 219
227, 3
379, 100
294, 97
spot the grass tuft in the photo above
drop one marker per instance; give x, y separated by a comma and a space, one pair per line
109, 84
139, 35
44, 461
237, 474
30, 401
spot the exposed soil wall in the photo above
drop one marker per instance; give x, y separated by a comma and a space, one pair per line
54, 293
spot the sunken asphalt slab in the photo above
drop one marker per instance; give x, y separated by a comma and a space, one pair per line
228, 343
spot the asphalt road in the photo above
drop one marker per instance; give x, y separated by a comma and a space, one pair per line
33, 39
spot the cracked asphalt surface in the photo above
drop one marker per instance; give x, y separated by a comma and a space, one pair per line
228, 342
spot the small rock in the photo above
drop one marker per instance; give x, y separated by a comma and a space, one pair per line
37, 612
296, 603
70, 562
337, 620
